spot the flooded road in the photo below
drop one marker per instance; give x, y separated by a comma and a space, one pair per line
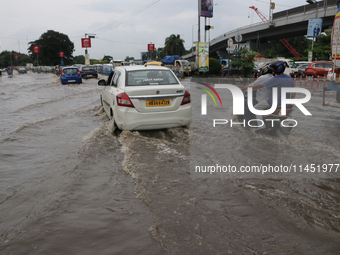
71, 184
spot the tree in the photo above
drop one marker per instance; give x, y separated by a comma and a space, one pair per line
214, 66
79, 59
322, 46
174, 45
107, 59
129, 58
277, 49
51, 43
7, 58
244, 60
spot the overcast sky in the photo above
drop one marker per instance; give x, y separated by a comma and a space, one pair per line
122, 27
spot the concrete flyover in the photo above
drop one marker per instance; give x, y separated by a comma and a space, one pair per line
285, 24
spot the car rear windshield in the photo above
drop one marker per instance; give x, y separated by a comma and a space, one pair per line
88, 69
70, 70
150, 77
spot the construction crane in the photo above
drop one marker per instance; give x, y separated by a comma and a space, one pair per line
284, 41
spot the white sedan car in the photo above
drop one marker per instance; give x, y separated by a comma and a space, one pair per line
143, 98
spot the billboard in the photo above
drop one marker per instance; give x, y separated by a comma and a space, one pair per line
335, 46
314, 28
206, 8
151, 47
203, 57
36, 49
61, 54
86, 42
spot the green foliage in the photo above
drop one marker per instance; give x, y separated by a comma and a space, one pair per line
244, 60
322, 47
158, 55
106, 59
214, 66
276, 48
79, 59
174, 45
7, 59
51, 43
129, 58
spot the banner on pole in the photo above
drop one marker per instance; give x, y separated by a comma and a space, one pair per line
206, 8
203, 57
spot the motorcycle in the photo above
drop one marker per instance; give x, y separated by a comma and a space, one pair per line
279, 123
275, 121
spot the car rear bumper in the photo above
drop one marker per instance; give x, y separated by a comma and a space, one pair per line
130, 119
71, 80
86, 76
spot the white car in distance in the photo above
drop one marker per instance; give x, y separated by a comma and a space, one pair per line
145, 98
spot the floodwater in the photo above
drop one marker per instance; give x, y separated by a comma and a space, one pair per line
71, 184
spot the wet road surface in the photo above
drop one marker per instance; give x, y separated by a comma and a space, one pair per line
71, 184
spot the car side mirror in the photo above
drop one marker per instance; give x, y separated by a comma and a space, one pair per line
102, 82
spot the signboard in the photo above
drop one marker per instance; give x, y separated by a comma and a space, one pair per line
87, 59
61, 54
238, 38
86, 42
36, 49
238, 46
151, 47
314, 28
310, 56
203, 57
335, 41
206, 8
230, 42
16, 57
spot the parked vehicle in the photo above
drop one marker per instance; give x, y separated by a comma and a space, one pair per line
228, 70
291, 67
301, 70
177, 65
318, 68
299, 63
143, 98
22, 70
154, 63
107, 69
88, 72
98, 68
70, 75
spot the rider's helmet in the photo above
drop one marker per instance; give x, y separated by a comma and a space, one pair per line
265, 68
278, 66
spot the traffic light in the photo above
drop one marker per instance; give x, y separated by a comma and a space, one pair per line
207, 27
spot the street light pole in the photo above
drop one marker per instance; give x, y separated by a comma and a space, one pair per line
86, 52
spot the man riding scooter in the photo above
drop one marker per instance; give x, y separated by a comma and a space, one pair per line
266, 73
279, 81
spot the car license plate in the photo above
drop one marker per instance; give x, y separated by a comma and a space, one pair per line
71, 80
152, 103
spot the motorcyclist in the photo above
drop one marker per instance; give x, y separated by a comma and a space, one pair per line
279, 81
9, 70
265, 74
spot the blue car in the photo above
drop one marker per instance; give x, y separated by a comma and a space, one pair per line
70, 75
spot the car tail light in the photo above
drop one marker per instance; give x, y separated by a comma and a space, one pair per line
79, 73
186, 98
124, 100
62, 74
